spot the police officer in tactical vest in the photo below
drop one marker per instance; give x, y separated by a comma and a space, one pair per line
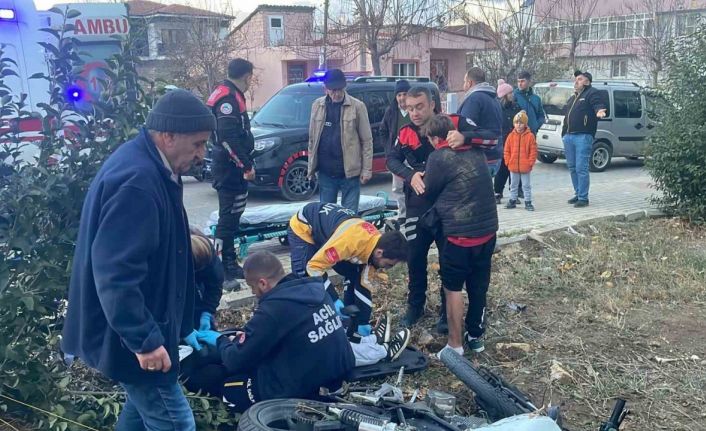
232, 162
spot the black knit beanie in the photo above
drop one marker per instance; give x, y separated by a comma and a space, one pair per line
179, 111
402, 86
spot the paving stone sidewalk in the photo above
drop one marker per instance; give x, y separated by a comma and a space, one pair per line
608, 198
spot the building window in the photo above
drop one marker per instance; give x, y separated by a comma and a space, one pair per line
686, 24
628, 104
618, 68
276, 30
404, 69
295, 73
171, 39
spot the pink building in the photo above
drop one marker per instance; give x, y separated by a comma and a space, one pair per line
281, 43
617, 39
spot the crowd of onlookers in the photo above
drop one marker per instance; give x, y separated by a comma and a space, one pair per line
142, 284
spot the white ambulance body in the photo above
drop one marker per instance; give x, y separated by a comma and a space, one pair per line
96, 27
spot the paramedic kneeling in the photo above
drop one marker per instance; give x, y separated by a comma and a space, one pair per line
294, 344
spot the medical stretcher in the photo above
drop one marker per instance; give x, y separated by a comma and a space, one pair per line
268, 222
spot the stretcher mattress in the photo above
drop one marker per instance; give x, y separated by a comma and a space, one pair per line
281, 213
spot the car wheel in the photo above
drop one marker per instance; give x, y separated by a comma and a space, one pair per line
295, 184
547, 158
600, 157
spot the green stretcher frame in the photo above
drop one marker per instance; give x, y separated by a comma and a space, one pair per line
254, 234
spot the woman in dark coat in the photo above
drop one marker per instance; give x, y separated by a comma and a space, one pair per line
510, 109
209, 281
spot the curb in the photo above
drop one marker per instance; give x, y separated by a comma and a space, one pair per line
244, 297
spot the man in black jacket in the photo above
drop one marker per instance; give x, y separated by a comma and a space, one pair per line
233, 144
407, 159
460, 187
583, 110
294, 344
396, 117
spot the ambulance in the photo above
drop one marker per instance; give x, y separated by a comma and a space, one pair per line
99, 27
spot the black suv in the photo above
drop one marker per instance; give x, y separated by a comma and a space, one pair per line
281, 130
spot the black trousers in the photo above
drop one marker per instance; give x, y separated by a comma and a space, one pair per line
469, 266
419, 240
502, 178
301, 252
237, 391
231, 205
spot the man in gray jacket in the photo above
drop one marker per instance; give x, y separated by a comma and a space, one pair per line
340, 143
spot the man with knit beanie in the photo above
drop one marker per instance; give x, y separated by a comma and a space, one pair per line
131, 294
396, 117
233, 144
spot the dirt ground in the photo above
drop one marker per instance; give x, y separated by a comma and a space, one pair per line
620, 308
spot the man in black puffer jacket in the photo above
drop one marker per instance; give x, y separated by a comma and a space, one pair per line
460, 187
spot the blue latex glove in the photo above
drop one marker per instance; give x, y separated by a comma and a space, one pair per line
339, 305
208, 337
192, 341
205, 321
364, 330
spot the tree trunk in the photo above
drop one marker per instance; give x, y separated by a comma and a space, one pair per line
375, 59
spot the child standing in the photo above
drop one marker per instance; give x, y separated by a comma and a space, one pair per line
520, 155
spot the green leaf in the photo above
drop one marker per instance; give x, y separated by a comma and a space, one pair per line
38, 75
51, 48
4, 278
28, 301
57, 10
73, 13
51, 31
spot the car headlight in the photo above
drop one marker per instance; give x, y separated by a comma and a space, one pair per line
266, 144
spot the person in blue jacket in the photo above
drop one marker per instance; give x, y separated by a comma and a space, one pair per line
131, 294
482, 107
529, 102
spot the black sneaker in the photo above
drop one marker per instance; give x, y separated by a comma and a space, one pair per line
442, 325
529, 206
412, 316
397, 345
572, 200
231, 285
512, 203
580, 204
476, 344
498, 198
382, 328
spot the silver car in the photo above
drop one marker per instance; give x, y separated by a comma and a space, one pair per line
622, 133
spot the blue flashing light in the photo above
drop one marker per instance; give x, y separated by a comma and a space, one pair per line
320, 73
74, 94
7, 15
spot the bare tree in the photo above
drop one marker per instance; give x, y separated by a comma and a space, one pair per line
656, 35
576, 15
509, 28
201, 60
379, 25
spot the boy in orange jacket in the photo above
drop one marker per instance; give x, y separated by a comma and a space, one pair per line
520, 154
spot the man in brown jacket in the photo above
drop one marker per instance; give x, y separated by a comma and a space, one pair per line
340, 143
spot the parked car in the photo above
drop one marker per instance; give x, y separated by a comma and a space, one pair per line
281, 130
622, 133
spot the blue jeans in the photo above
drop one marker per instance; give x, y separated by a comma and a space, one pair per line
349, 188
577, 148
155, 408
